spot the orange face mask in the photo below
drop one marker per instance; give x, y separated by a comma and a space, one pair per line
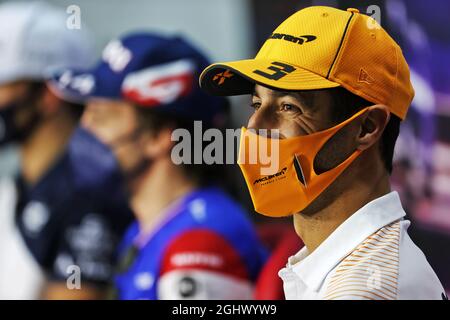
294, 184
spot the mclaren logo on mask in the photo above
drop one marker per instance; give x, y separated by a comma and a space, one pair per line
266, 179
290, 38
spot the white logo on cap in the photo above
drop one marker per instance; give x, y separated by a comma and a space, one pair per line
116, 55
83, 83
162, 84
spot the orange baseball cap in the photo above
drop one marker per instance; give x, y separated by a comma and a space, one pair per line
322, 47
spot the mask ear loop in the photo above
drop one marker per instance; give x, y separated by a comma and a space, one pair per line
341, 126
297, 164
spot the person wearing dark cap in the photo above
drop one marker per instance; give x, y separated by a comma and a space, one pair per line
332, 87
190, 239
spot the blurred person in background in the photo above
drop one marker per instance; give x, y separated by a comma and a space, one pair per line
48, 228
190, 239
332, 87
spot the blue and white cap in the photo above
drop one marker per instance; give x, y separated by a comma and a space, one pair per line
150, 71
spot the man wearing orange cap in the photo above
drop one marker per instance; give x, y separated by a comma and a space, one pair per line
334, 87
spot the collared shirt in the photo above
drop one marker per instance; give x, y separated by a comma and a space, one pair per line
369, 256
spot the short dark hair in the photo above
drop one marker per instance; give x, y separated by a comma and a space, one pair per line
346, 104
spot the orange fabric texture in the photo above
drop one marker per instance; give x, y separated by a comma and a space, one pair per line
269, 190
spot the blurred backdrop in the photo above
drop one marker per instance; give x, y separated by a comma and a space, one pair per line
234, 29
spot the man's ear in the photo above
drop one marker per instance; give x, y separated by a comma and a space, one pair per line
373, 123
157, 144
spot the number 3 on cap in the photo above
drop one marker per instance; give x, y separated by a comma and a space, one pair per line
281, 70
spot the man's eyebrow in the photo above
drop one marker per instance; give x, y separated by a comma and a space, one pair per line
305, 98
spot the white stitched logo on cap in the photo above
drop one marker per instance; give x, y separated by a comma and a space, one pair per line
116, 55
83, 83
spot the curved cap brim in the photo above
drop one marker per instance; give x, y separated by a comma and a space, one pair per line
74, 86
239, 77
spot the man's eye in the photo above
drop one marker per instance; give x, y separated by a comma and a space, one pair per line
255, 105
288, 107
